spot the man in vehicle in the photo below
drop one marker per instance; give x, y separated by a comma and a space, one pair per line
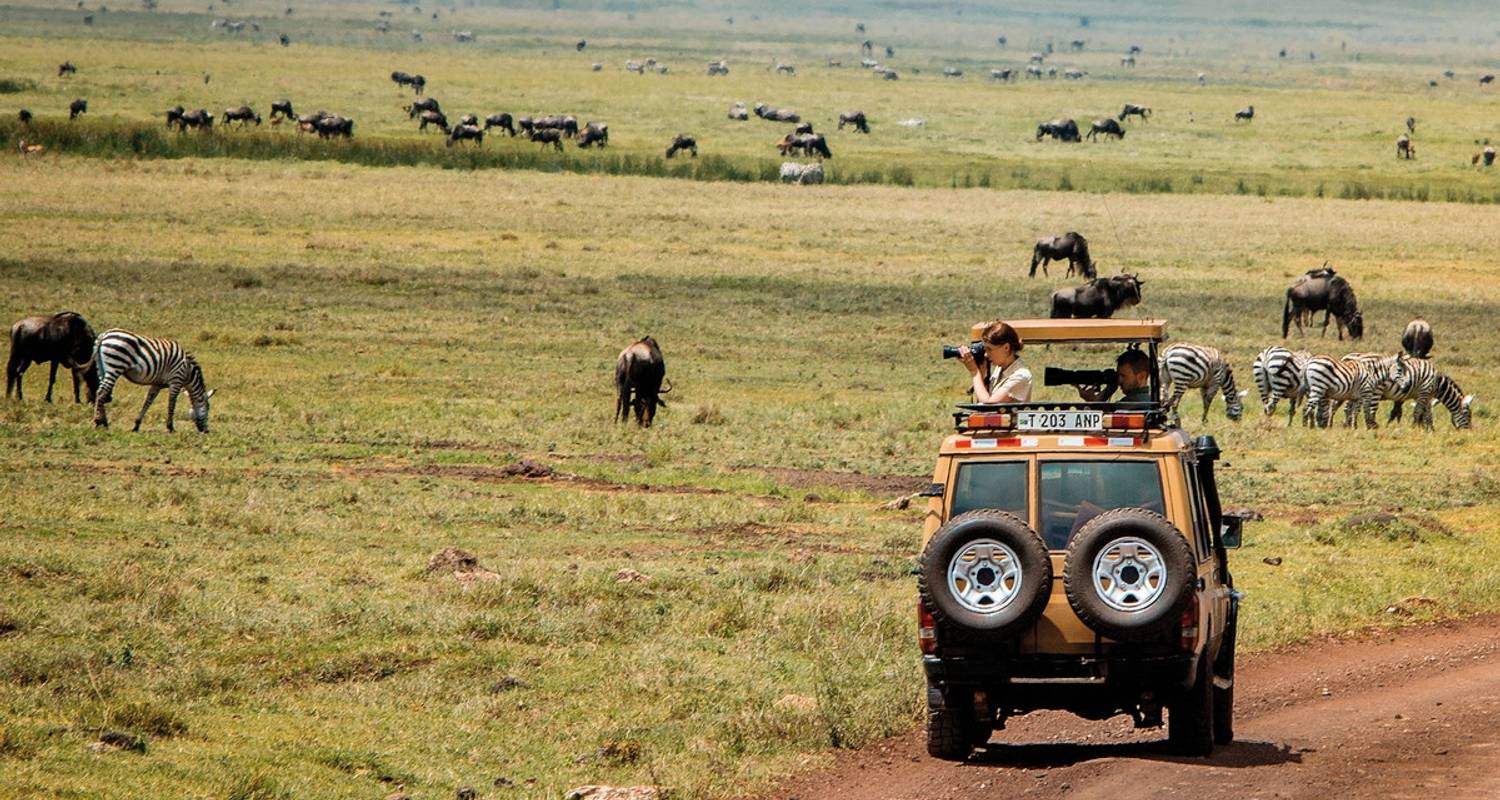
1132, 374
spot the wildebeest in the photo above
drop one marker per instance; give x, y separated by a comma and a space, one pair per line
786, 69
174, 115
792, 172
582, 43
433, 118
1077, 45
24, 116
1404, 148
462, 132
1003, 74
242, 115
1063, 130
308, 123
855, 118
1322, 290
1001, 41
718, 67
1486, 79
64, 338
765, 112
1107, 126
1033, 71
420, 105
566, 124
1133, 110
1099, 298
594, 133
1411, 125
1416, 340
802, 128
739, 112
66, 68
639, 373
79, 106
952, 72
416, 82
683, 141
335, 125
1071, 246
282, 108
546, 136
199, 119
286, 41
1247, 113
808, 143
1487, 155
502, 121
1075, 74
469, 119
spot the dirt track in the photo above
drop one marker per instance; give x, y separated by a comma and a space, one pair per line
1410, 715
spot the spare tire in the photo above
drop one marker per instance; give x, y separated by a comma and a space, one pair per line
1129, 574
985, 576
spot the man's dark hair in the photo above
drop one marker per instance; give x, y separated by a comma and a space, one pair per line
1137, 360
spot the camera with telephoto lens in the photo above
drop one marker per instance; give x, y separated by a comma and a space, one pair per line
1056, 376
975, 348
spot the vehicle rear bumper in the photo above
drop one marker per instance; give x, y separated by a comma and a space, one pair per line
1128, 671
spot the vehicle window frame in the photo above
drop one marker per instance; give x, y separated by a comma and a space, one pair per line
1052, 458
1198, 507
1028, 464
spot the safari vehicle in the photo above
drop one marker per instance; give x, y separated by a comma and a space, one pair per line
1074, 558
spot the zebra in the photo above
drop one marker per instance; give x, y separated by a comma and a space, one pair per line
1418, 384
1447, 392
1357, 379
1192, 366
157, 363
1278, 374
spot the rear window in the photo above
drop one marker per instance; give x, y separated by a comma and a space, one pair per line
991, 484
1074, 492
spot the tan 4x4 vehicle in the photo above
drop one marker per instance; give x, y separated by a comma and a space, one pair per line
1074, 558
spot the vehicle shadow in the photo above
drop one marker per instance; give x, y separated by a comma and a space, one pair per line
1239, 754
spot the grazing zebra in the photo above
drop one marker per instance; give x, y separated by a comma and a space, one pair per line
157, 363
1278, 374
1192, 366
1447, 392
1357, 379
1419, 384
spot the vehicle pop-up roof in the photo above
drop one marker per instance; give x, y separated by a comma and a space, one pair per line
1146, 334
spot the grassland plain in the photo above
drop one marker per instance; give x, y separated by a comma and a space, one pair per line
1325, 126
385, 341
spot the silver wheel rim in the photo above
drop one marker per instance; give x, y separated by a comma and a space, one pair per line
984, 576
1129, 574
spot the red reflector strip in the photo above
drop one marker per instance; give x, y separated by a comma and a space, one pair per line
984, 444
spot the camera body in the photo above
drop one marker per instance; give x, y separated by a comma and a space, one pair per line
975, 348
1057, 376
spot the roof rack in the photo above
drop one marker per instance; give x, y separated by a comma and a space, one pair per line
1115, 416
1045, 331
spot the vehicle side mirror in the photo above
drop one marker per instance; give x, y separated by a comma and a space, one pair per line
1231, 531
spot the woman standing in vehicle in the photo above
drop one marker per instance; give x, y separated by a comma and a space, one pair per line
1006, 379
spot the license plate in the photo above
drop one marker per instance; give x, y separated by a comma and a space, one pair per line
1060, 421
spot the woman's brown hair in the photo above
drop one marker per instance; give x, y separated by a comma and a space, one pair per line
998, 333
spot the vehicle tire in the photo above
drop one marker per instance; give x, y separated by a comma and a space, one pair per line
1224, 697
985, 576
950, 724
1190, 720
1129, 574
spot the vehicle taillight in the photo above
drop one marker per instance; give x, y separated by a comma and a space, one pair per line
986, 422
1190, 626
1125, 421
926, 630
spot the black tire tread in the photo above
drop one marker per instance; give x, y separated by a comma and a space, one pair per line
1190, 720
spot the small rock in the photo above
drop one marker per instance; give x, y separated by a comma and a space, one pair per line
1274, 561
811, 498
398, 796
507, 683
614, 793
461, 564
526, 468
503, 782
710, 571
1326, 692
899, 504
628, 575
114, 740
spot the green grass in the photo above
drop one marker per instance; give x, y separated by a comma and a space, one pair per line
254, 602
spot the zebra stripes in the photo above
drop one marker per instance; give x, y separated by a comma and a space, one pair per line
1357, 379
1418, 384
156, 363
1192, 366
1446, 391
1278, 374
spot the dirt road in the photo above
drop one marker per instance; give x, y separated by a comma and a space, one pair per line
1408, 715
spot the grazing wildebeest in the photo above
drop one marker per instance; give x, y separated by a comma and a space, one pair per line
1077, 45
461, 132
890, 52
802, 128
594, 133
719, 67
174, 115
739, 112
1107, 126
308, 123
1001, 41
469, 119
1133, 110
423, 104
1404, 148
1247, 113
1071, 246
1003, 74
502, 121
286, 41
1322, 290
88, 19
1033, 71
433, 118
566, 125
1411, 125
792, 172
786, 69
525, 125
24, 116
334, 125
639, 373
582, 43
66, 68
1487, 155
79, 106
242, 115
281, 109
546, 136
809, 144
769, 114
683, 141
952, 72
64, 338
1486, 79
1075, 74
855, 118
1416, 340
1099, 298
1063, 130
199, 119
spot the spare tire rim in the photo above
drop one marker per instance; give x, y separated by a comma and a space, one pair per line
984, 576
1129, 574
